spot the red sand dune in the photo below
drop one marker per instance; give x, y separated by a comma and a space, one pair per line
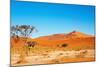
73, 39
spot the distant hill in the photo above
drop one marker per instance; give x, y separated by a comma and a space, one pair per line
74, 39
71, 35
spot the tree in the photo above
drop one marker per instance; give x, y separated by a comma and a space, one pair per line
22, 32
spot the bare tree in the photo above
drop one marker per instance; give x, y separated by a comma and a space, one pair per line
22, 32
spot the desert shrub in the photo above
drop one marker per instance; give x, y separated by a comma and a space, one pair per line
61, 54
64, 45
31, 44
77, 48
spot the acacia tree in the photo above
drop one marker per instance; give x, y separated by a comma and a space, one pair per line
22, 32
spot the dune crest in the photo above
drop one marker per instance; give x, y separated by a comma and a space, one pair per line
73, 34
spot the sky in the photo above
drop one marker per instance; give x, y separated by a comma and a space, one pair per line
53, 18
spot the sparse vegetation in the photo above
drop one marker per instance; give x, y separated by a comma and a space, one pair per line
30, 45
48, 51
22, 32
64, 45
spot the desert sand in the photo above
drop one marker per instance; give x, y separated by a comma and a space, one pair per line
56, 48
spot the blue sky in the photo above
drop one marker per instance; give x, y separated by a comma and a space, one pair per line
53, 18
